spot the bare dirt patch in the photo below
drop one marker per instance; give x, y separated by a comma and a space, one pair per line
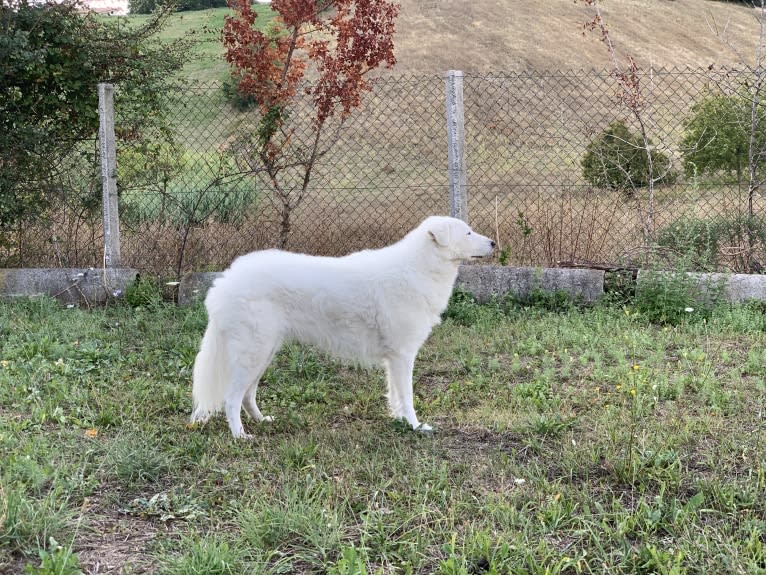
114, 543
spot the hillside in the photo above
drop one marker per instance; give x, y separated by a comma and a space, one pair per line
482, 35
516, 35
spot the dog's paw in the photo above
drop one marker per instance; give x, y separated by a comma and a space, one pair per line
199, 417
267, 419
424, 428
242, 434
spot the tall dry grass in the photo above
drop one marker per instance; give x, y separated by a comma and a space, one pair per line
537, 227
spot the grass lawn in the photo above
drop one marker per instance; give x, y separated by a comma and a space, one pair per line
206, 60
568, 441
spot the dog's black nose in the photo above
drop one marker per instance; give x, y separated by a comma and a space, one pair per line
493, 244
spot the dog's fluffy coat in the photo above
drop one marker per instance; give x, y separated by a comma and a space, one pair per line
374, 307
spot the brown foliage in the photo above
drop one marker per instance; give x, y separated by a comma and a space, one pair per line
342, 40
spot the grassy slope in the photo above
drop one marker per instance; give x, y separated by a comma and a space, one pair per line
204, 26
494, 35
547, 35
575, 442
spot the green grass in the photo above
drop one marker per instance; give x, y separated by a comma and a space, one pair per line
580, 440
206, 60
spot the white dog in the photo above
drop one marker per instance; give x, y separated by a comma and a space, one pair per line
374, 307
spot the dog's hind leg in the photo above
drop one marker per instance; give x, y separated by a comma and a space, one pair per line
250, 404
239, 383
401, 400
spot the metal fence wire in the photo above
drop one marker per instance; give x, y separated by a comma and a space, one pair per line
194, 197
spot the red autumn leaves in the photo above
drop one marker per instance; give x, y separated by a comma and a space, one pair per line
337, 42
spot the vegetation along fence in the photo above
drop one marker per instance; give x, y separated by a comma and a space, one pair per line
562, 168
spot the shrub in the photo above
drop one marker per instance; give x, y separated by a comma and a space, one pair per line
617, 160
159, 192
697, 239
462, 308
143, 293
52, 60
674, 297
702, 242
241, 102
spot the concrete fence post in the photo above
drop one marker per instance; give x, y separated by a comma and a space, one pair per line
456, 145
108, 155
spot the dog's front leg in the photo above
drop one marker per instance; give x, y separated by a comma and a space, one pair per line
400, 394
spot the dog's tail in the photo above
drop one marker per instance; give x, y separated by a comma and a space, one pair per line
211, 375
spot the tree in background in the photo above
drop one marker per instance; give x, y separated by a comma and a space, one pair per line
716, 138
51, 59
334, 45
631, 95
749, 100
616, 160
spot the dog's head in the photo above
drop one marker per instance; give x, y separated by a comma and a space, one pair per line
456, 239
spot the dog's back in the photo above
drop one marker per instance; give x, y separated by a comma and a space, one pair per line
350, 307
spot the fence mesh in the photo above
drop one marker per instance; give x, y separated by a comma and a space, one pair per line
527, 135
193, 198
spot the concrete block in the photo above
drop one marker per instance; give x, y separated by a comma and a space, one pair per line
744, 287
78, 286
736, 288
482, 281
486, 281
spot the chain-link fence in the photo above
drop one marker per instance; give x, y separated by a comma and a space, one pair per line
195, 196
62, 225
527, 136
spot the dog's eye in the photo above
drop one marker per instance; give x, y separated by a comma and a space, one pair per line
468, 234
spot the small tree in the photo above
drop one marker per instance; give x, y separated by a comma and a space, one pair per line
333, 43
717, 136
617, 160
632, 96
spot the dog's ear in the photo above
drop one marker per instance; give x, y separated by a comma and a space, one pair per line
440, 233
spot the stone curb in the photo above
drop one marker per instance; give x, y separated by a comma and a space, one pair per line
73, 286
89, 286
484, 282
736, 288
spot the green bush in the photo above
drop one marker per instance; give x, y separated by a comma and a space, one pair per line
163, 183
241, 102
51, 60
617, 160
697, 239
701, 241
143, 293
463, 308
674, 297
